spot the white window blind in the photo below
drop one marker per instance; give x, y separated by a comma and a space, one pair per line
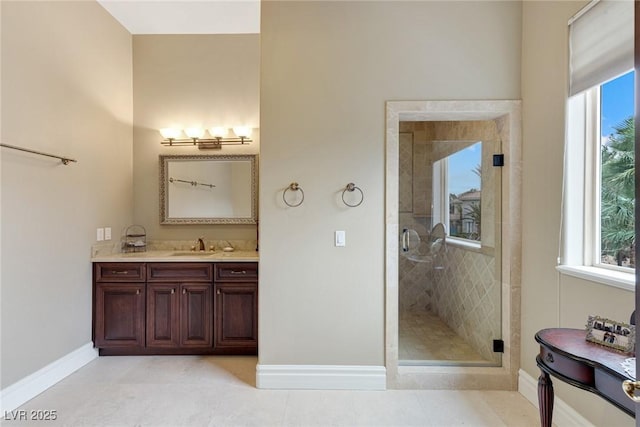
600, 43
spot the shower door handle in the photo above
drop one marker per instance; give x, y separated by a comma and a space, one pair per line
405, 240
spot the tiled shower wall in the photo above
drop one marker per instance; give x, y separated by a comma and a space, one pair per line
466, 296
415, 213
463, 291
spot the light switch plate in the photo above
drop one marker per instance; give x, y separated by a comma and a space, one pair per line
107, 233
341, 238
100, 234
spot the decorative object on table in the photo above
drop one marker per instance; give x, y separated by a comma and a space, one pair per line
609, 333
629, 366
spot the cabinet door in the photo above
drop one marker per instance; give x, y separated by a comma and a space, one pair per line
196, 318
236, 311
120, 319
163, 315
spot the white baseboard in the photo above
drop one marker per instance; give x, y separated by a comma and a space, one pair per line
321, 377
29, 387
563, 414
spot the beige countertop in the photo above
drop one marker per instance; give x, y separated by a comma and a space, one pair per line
179, 256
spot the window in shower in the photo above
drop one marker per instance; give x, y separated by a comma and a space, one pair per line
457, 180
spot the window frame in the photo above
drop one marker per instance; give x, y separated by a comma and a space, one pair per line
441, 205
581, 224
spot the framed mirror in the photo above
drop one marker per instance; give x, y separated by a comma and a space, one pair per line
208, 189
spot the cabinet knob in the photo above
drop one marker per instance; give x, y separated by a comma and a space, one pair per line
629, 388
238, 272
184, 291
173, 291
137, 291
549, 358
218, 292
119, 272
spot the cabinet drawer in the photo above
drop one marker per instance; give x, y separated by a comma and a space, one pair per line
120, 272
241, 272
179, 272
567, 367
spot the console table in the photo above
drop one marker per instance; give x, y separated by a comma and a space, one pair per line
565, 354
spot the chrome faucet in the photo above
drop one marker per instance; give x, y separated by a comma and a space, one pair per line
200, 244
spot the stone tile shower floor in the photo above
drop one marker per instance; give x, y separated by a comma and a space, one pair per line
220, 391
423, 337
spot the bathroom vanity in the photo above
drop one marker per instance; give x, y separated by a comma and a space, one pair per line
176, 303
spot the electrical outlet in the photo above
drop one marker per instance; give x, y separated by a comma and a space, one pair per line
107, 233
100, 234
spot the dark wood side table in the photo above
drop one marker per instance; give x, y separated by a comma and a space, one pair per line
565, 354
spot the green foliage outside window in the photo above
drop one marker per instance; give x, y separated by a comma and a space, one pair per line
618, 196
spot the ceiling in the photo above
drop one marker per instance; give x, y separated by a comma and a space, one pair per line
186, 16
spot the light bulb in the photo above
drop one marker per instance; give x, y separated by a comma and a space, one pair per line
242, 131
194, 133
218, 131
170, 133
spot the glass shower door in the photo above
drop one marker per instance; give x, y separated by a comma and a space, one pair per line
449, 276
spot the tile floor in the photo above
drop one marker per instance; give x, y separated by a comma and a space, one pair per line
220, 391
422, 336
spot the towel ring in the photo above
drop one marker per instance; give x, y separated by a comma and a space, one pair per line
351, 187
294, 186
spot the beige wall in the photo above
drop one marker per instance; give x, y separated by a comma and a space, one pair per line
550, 300
184, 81
327, 70
66, 89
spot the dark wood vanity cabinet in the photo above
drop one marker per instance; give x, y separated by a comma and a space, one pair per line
176, 308
163, 311
236, 308
119, 306
179, 307
196, 317
179, 315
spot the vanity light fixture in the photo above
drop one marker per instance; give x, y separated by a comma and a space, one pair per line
218, 136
